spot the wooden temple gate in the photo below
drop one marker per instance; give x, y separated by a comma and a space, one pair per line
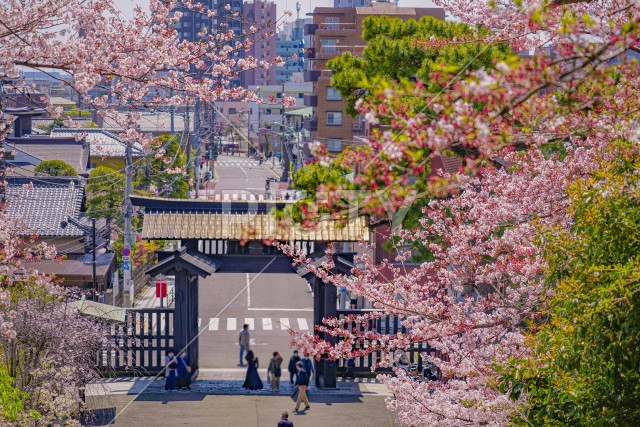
206, 229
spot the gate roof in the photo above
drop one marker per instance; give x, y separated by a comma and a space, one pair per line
171, 219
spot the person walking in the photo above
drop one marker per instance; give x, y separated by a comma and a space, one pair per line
307, 365
274, 372
184, 371
302, 384
252, 381
244, 341
292, 365
284, 420
171, 365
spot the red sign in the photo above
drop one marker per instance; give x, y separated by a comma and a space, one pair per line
161, 289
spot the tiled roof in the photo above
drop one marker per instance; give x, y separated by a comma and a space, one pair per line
45, 205
101, 142
44, 148
174, 225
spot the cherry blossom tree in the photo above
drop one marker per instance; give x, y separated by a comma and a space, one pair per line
120, 66
533, 127
115, 64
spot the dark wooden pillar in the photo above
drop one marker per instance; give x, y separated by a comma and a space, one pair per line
185, 318
193, 317
180, 314
318, 314
330, 371
324, 305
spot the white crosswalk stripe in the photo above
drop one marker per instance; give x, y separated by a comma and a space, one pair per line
231, 324
284, 323
213, 324
302, 324
249, 321
266, 324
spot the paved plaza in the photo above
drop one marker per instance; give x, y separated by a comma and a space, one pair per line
222, 402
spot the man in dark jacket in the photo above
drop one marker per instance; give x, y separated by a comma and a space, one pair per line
284, 420
307, 365
302, 383
292, 365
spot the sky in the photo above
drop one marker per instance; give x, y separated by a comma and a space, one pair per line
306, 5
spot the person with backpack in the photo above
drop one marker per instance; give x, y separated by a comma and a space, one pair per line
302, 384
292, 365
171, 366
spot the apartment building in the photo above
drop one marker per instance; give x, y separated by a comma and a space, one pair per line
333, 32
263, 16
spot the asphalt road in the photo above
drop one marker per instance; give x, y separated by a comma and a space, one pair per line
241, 174
262, 291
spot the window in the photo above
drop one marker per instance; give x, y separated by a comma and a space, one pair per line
334, 118
329, 45
333, 94
332, 22
233, 111
334, 144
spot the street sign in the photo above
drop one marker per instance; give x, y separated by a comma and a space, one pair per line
126, 258
126, 252
126, 265
161, 289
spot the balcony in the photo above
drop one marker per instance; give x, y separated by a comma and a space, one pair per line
310, 53
311, 75
311, 100
311, 124
310, 29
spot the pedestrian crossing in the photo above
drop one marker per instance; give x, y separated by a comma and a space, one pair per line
215, 324
237, 163
261, 324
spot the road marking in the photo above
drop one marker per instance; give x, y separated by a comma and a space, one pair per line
284, 323
161, 322
302, 324
231, 324
199, 322
248, 291
213, 324
266, 324
280, 309
249, 321
226, 196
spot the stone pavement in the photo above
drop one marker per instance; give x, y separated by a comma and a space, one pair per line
219, 400
229, 382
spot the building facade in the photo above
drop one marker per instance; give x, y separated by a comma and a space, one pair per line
335, 31
262, 16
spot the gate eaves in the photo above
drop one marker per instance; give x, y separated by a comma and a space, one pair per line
191, 262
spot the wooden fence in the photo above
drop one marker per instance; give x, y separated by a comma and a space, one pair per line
388, 325
138, 345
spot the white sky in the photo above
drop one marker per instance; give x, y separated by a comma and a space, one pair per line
307, 5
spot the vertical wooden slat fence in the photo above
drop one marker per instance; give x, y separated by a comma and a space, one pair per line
138, 345
387, 325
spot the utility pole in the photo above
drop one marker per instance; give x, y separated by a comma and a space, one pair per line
95, 282
173, 111
196, 159
129, 290
188, 131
